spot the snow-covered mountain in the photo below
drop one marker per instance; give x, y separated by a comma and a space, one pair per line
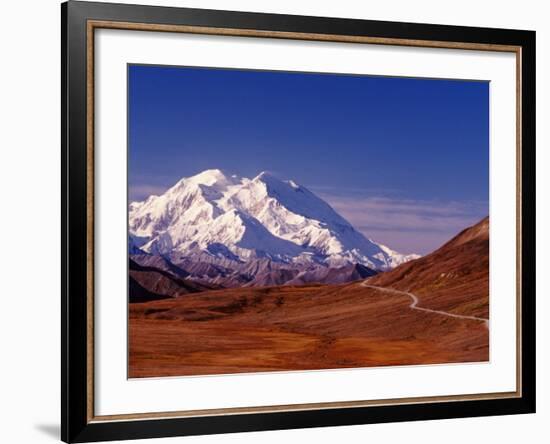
232, 218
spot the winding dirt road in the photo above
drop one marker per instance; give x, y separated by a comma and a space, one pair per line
414, 304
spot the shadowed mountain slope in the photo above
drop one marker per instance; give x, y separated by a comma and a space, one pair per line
454, 278
151, 283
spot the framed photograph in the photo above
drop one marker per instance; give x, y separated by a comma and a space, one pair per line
275, 221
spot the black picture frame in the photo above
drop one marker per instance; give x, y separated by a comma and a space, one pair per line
76, 423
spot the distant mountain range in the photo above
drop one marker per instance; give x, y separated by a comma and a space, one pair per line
231, 230
178, 245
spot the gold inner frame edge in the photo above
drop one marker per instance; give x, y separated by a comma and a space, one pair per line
92, 25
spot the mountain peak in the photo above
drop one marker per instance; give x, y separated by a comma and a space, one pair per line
271, 179
209, 177
266, 176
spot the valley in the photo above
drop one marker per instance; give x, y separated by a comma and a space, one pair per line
294, 328
432, 310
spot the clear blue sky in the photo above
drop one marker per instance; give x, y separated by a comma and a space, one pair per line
412, 153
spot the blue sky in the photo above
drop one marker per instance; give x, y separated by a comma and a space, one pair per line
406, 161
